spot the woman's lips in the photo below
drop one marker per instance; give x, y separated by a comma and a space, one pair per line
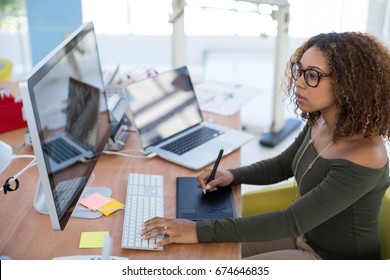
299, 97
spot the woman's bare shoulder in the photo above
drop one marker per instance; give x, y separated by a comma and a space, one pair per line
369, 153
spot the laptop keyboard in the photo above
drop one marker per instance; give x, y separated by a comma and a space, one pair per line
60, 150
191, 140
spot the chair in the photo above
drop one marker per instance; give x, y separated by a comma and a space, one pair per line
281, 196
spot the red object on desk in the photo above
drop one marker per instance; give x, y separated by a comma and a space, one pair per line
11, 116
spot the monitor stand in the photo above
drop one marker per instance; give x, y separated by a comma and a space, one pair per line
79, 211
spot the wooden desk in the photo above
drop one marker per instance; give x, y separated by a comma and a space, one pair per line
26, 234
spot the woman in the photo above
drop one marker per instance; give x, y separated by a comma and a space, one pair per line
340, 83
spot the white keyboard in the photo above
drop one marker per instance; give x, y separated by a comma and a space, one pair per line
144, 200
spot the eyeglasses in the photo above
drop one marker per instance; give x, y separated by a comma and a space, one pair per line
312, 77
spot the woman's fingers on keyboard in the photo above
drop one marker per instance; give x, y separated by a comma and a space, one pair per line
162, 243
153, 228
174, 230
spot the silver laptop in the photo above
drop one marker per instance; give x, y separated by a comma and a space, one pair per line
170, 124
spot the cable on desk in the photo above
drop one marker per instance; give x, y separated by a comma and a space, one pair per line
7, 184
124, 153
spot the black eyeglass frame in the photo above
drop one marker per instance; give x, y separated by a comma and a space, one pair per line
306, 76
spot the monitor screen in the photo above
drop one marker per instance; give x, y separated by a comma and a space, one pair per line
68, 120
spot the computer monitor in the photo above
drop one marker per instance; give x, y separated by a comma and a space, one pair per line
66, 109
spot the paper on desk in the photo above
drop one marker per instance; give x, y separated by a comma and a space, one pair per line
224, 99
111, 207
95, 201
92, 239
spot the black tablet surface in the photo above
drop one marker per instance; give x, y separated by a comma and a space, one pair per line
192, 204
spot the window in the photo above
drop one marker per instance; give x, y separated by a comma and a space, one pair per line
315, 16
229, 17
141, 17
225, 17
12, 15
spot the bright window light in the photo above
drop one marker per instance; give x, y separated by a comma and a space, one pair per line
316, 16
109, 17
225, 17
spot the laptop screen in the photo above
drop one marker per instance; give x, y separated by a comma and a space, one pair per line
163, 105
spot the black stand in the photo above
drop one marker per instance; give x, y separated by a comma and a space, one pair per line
271, 139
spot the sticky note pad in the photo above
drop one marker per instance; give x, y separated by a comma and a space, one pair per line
93, 239
111, 207
94, 201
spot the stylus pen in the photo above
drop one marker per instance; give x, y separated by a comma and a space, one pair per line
211, 177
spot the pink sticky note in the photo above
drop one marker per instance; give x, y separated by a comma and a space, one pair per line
94, 201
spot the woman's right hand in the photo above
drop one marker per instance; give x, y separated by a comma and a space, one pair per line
221, 179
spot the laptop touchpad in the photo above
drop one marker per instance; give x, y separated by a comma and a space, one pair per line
214, 147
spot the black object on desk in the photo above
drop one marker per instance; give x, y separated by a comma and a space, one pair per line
192, 204
215, 166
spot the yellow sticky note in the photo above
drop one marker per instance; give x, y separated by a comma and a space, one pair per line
111, 207
93, 239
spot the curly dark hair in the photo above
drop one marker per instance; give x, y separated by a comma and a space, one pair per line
359, 65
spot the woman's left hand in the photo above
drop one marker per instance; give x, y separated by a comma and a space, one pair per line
174, 230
